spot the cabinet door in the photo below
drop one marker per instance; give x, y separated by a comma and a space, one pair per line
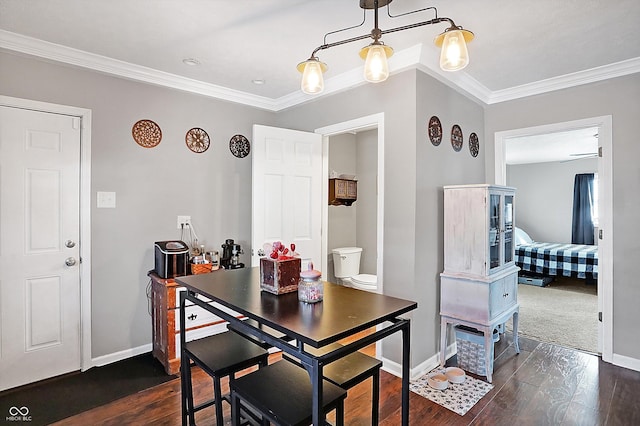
352, 189
508, 246
341, 188
504, 294
495, 236
501, 223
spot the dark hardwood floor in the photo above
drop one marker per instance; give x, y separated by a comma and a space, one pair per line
543, 385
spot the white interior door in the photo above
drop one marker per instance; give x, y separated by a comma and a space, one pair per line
39, 245
287, 191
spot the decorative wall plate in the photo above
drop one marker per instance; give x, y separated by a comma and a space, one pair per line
474, 145
146, 133
456, 138
239, 146
435, 130
197, 140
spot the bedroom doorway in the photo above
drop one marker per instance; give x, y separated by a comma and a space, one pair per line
603, 158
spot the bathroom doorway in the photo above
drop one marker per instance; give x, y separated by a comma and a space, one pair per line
355, 147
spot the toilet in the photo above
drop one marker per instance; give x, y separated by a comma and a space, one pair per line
346, 265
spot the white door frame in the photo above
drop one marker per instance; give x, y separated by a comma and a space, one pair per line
85, 210
605, 208
363, 123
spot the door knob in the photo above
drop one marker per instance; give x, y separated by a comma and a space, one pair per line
70, 261
69, 244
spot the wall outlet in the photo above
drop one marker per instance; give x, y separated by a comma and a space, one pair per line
183, 220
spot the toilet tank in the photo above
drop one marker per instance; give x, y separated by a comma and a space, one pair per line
346, 261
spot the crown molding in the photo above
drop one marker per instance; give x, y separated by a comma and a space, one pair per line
64, 54
593, 75
402, 60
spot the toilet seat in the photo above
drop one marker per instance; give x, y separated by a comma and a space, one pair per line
365, 281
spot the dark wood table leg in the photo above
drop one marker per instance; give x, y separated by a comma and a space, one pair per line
406, 346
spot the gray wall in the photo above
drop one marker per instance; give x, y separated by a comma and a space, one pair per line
152, 186
545, 197
341, 220
620, 98
367, 204
437, 166
355, 225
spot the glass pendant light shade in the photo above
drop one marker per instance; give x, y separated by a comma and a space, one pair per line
376, 67
312, 79
454, 55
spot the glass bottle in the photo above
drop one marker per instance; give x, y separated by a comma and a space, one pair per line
310, 287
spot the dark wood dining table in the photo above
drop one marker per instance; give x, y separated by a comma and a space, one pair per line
342, 313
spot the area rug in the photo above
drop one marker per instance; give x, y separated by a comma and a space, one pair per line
55, 399
458, 397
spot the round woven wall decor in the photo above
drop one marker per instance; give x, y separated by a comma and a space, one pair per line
146, 133
474, 145
197, 140
456, 138
435, 130
239, 146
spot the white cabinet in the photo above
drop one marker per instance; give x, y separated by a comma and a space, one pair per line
479, 284
478, 229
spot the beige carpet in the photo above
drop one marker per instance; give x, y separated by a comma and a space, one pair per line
565, 312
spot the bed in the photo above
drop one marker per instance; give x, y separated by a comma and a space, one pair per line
556, 259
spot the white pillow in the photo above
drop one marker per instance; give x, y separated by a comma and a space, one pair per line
522, 237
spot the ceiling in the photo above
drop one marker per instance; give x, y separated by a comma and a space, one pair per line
521, 47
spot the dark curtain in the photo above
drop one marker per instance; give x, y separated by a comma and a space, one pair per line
582, 228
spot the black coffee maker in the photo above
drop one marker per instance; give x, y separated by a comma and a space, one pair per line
231, 255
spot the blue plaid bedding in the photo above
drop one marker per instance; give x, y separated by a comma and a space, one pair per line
555, 259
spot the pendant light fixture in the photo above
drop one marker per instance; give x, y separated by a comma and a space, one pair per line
453, 41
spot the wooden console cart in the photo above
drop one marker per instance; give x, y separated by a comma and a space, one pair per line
165, 297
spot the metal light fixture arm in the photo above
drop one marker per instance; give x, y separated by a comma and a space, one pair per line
453, 41
377, 33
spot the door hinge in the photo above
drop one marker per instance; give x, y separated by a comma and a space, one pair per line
599, 151
600, 316
600, 234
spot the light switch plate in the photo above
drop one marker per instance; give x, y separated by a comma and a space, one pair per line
106, 200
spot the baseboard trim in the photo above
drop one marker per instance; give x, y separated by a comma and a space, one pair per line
119, 356
418, 371
626, 362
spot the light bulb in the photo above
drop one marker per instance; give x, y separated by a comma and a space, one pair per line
454, 55
376, 67
312, 79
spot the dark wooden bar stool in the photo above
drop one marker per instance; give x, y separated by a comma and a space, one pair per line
282, 394
350, 371
219, 355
